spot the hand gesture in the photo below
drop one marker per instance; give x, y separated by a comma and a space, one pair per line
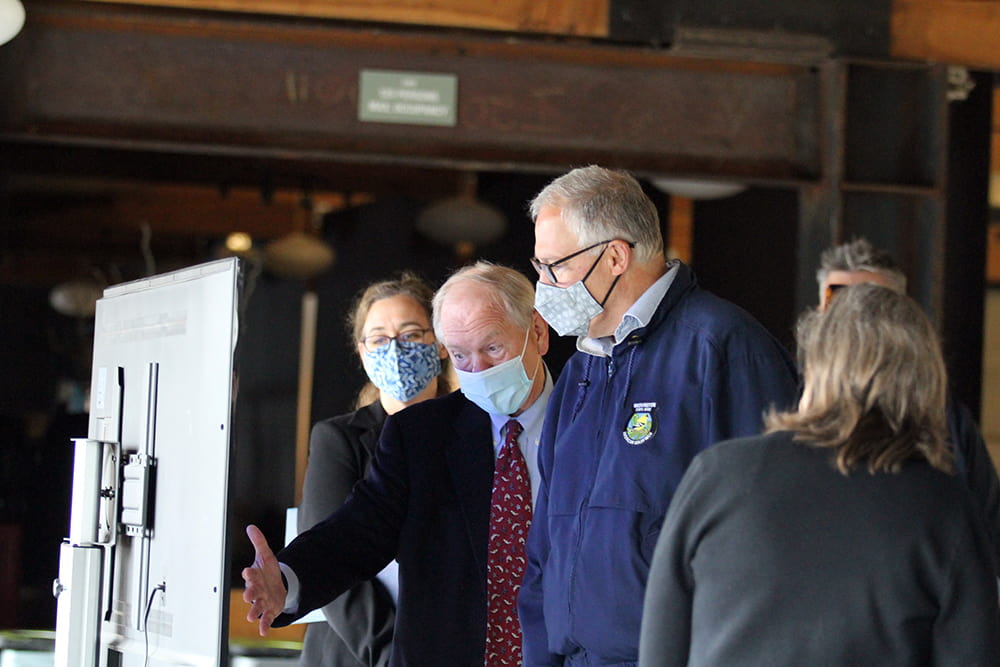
264, 590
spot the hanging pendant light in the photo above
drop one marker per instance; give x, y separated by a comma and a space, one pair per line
298, 256
462, 218
692, 188
11, 19
301, 254
76, 298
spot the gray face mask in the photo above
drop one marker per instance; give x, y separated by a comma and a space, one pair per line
568, 310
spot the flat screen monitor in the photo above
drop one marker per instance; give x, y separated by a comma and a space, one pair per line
162, 396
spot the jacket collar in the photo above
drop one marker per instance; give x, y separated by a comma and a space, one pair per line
368, 421
683, 282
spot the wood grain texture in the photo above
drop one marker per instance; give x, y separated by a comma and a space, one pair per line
960, 32
583, 18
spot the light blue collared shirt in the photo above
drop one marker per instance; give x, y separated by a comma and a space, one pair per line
638, 315
531, 432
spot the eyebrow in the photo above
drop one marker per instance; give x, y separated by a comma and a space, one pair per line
491, 340
403, 325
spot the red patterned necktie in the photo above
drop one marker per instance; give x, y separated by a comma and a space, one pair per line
510, 518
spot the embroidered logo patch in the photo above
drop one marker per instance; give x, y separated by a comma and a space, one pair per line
641, 425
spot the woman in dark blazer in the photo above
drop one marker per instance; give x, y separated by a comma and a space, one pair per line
390, 324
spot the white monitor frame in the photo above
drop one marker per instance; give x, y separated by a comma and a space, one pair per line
160, 438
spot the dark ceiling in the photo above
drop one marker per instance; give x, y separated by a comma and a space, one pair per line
125, 125
80, 213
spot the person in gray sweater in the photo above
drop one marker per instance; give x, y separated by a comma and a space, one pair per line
842, 535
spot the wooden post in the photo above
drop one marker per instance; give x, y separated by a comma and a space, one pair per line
307, 357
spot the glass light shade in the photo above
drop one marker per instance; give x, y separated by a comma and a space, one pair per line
298, 256
11, 19
462, 219
698, 189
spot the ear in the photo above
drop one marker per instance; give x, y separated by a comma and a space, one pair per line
821, 303
620, 254
442, 350
540, 329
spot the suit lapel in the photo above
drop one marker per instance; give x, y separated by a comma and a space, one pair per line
470, 464
368, 421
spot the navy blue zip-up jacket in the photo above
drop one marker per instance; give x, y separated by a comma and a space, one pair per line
619, 433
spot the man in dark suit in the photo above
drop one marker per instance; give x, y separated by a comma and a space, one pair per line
427, 499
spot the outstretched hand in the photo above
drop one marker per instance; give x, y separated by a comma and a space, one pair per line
264, 589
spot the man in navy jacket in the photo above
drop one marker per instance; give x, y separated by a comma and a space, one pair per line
663, 370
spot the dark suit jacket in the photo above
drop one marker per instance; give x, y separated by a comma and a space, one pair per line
359, 623
973, 463
426, 503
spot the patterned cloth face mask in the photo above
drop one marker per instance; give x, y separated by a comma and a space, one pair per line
403, 371
568, 310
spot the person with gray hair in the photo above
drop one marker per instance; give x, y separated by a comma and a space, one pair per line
858, 261
841, 536
663, 369
449, 494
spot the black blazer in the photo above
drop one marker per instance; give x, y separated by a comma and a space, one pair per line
426, 503
359, 623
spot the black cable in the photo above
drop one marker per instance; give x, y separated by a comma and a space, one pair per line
162, 586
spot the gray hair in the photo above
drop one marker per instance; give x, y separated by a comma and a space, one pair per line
599, 204
508, 290
861, 255
875, 382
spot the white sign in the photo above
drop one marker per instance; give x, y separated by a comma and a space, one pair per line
407, 97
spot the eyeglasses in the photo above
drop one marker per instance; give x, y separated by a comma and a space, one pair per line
831, 290
549, 268
405, 339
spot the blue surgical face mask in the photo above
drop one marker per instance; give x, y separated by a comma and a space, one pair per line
500, 389
403, 371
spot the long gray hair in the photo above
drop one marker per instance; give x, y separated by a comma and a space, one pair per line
875, 382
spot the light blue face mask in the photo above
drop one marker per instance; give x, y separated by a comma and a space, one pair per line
501, 389
403, 371
569, 310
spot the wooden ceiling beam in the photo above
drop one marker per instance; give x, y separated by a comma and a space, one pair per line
583, 18
959, 32
231, 85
